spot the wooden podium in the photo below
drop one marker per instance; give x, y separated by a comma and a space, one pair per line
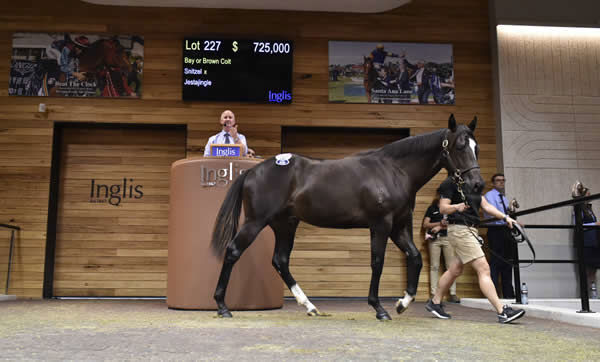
198, 187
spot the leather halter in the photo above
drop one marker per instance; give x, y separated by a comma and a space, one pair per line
452, 169
456, 172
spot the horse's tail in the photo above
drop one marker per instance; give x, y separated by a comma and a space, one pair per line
228, 217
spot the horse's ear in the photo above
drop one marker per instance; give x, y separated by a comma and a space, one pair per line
452, 123
473, 124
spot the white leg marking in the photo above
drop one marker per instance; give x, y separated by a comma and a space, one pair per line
301, 298
406, 300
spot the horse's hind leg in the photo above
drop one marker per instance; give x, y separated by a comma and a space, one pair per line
241, 242
403, 238
379, 236
285, 231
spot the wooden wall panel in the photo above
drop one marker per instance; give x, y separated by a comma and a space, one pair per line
26, 135
104, 247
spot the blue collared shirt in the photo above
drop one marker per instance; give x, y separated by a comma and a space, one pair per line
495, 198
219, 138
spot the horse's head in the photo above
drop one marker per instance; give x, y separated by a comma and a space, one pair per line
104, 53
460, 154
367, 64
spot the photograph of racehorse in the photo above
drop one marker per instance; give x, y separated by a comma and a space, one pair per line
374, 189
69, 65
391, 73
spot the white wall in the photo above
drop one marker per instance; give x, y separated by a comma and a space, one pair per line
547, 12
549, 105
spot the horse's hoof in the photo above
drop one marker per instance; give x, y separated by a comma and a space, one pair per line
400, 308
383, 316
224, 314
314, 313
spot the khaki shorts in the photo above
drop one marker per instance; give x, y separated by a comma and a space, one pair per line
466, 247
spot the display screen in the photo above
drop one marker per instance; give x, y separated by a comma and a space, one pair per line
237, 70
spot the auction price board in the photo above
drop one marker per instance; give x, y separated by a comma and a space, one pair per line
237, 70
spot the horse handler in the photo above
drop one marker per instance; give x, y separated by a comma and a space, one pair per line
462, 209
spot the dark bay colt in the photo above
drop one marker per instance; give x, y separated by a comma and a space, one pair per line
375, 189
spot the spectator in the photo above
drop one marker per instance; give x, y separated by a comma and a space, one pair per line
501, 246
436, 235
591, 241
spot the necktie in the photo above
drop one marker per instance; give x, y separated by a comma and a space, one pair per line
502, 201
227, 138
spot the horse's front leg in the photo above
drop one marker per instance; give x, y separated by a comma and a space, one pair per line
379, 236
403, 238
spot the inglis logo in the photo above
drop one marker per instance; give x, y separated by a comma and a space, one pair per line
225, 152
114, 194
221, 177
279, 97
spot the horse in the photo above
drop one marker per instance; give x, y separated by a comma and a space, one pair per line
373, 189
369, 76
106, 61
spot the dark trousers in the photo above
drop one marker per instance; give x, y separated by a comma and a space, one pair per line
423, 94
502, 246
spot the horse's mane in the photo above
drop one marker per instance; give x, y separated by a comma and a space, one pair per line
412, 144
92, 53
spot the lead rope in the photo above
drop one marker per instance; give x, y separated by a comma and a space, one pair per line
459, 182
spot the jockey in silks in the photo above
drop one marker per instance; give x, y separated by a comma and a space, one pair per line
378, 57
66, 53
